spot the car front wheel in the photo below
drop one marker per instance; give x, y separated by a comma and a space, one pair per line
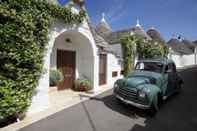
155, 105
152, 111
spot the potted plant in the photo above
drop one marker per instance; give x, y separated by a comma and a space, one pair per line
82, 85
55, 78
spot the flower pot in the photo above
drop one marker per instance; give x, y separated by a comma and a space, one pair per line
83, 88
60, 85
21, 116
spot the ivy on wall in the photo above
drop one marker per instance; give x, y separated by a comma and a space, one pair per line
24, 28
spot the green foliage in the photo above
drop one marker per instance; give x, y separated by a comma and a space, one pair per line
128, 46
23, 37
55, 77
82, 85
151, 49
135, 45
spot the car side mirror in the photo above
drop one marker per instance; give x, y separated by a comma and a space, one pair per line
168, 71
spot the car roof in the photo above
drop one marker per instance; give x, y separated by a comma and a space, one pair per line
159, 60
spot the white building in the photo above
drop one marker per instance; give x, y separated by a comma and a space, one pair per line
87, 51
79, 52
183, 52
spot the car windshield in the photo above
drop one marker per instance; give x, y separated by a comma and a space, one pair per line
150, 66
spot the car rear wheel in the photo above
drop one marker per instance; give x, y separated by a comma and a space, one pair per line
179, 87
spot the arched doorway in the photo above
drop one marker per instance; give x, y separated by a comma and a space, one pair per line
72, 53
71, 38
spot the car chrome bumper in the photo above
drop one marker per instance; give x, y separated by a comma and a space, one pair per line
132, 103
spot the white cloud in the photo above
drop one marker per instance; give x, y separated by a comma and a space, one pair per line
116, 11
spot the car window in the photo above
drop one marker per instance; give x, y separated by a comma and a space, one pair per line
150, 66
174, 67
171, 67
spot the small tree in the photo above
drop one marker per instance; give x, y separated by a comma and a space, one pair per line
151, 49
128, 46
133, 45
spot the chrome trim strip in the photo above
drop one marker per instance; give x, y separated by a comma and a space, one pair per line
133, 103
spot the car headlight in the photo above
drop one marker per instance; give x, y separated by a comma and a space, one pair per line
116, 85
142, 94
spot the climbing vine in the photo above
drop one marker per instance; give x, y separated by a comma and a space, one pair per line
151, 49
134, 45
128, 46
24, 28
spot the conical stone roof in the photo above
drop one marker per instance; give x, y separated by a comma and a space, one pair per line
155, 35
179, 47
189, 44
195, 42
103, 27
138, 30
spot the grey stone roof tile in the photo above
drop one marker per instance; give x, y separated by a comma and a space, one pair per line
179, 47
155, 35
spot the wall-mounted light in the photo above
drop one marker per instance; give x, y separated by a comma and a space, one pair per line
68, 40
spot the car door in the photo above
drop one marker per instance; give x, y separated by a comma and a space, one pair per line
165, 81
171, 72
177, 78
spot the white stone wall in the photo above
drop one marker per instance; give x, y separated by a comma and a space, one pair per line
183, 60
40, 100
113, 64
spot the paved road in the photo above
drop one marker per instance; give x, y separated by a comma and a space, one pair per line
103, 113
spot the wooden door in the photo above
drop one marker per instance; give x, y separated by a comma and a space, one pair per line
66, 64
102, 69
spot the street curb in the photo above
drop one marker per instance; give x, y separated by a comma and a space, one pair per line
186, 68
82, 98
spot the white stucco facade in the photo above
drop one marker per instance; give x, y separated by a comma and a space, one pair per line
87, 60
86, 50
183, 60
113, 65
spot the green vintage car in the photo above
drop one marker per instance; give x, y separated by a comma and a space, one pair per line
151, 82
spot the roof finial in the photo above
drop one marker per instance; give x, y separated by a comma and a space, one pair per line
103, 17
152, 28
138, 23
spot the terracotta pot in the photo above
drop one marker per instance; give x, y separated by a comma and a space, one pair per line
60, 85
21, 116
83, 88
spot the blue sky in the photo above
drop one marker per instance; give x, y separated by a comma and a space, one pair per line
167, 16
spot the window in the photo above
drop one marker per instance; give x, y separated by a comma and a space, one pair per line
114, 74
122, 72
171, 67
150, 66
